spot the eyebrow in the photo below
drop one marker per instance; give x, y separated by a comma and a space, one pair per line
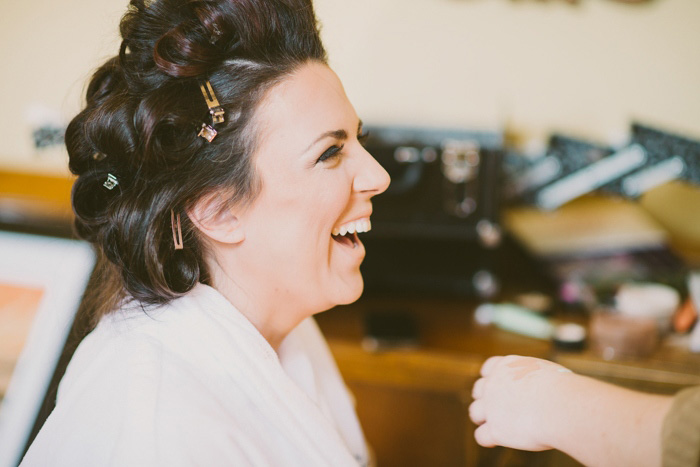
335, 134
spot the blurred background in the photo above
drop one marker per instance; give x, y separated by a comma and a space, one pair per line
545, 160
526, 68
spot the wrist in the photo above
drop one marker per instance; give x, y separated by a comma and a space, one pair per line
558, 416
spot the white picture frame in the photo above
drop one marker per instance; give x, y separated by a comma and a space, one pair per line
61, 269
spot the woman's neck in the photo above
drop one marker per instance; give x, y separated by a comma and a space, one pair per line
260, 305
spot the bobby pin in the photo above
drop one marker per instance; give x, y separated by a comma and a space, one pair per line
215, 109
177, 230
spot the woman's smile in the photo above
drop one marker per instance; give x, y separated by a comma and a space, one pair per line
346, 234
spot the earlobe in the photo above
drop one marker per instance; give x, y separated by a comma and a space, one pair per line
220, 225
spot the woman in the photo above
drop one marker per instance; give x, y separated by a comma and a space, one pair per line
222, 177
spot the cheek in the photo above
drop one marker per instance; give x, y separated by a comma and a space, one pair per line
298, 220
298, 232
319, 208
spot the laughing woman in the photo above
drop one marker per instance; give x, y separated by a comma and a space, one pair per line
222, 179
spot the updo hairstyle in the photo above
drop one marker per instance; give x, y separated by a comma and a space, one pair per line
144, 110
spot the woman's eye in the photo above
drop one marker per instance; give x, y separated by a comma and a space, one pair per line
330, 153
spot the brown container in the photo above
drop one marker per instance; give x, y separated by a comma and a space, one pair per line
616, 336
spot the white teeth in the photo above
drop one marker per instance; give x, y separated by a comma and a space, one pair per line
366, 226
359, 226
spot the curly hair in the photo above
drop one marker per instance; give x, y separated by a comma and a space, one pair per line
144, 109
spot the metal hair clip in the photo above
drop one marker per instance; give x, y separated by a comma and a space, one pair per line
215, 36
207, 132
215, 109
177, 230
111, 182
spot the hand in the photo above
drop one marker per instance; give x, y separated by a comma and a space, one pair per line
513, 402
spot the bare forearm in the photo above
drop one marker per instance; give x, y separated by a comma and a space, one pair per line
606, 425
532, 404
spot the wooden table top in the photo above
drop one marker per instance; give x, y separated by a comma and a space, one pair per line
451, 342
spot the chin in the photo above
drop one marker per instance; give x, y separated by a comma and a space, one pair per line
353, 297
350, 292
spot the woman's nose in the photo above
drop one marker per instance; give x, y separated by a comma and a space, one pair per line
371, 177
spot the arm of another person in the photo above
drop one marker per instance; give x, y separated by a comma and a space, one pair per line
532, 404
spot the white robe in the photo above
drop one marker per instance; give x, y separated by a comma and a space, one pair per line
193, 382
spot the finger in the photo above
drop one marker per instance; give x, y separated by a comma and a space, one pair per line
489, 364
483, 436
478, 388
477, 412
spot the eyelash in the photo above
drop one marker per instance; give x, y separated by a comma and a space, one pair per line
330, 153
362, 138
334, 151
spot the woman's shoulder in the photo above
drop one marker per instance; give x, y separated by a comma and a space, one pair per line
139, 368
173, 326
188, 335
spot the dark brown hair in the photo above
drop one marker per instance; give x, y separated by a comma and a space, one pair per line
144, 109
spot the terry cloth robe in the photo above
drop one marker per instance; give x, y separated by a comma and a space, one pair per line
193, 382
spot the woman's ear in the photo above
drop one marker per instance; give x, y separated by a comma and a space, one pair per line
220, 225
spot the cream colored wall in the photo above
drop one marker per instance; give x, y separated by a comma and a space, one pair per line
532, 65
48, 49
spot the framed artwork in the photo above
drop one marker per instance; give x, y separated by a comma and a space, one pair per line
42, 280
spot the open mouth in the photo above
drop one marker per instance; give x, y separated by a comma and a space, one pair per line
346, 234
349, 239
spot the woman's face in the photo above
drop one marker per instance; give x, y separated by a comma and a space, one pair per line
317, 180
